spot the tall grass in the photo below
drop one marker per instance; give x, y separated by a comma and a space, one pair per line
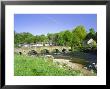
37, 66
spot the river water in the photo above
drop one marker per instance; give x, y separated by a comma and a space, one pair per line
85, 59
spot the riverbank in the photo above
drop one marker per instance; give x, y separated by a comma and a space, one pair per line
75, 66
42, 66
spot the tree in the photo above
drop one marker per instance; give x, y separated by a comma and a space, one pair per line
50, 37
67, 37
75, 41
23, 38
27, 37
55, 38
91, 34
16, 38
78, 35
60, 40
36, 38
91, 30
95, 37
42, 38
80, 31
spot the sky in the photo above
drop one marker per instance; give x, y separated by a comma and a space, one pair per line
38, 24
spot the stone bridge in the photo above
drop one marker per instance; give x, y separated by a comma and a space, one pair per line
25, 50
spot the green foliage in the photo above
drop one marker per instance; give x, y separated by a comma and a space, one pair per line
94, 44
95, 37
67, 37
72, 38
91, 30
60, 39
50, 37
78, 35
91, 34
24, 37
42, 38
80, 31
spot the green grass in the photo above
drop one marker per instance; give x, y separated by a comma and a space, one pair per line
37, 66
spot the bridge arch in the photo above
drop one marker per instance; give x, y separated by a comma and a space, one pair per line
56, 50
45, 51
32, 52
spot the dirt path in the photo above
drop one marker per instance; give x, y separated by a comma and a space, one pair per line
74, 66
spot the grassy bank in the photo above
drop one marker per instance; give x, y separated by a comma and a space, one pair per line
37, 66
